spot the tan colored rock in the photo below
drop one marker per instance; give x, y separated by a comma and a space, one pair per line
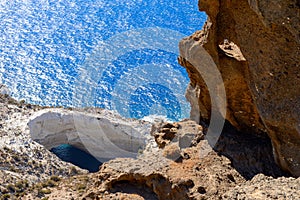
186, 133
263, 187
158, 174
256, 46
152, 176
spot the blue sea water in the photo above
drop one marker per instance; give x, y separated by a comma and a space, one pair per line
49, 50
76, 156
114, 54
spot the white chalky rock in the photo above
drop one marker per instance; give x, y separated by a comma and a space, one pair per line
105, 135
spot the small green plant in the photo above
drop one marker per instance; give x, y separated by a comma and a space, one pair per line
5, 196
43, 191
22, 101
20, 186
73, 171
21, 194
55, 178
140, 152
13, 169
16, 158
12, 101
11, 188
81, 186
8, 149
85, 178
48, 183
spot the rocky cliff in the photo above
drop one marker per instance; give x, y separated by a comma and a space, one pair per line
23, 162
255, 45
253, 48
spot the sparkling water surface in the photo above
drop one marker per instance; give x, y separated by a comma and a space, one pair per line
53, 53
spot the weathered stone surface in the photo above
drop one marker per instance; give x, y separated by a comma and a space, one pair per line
103, 134
177, 170
153, 176
174, 138
256, 47
186, 133
250, 154
24, 162
263, 187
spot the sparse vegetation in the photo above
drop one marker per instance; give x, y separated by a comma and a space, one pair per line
5, 197
48, 183
55, 178
46, 191
81, 186
18, 189
43, 191
11, 188
16, 158
13, 169
21, 186
22, 101
73, 171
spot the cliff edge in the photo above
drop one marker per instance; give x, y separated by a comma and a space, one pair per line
255, 45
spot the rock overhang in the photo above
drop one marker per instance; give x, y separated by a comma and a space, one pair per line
105, 135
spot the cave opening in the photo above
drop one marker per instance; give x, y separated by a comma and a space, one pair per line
78, 157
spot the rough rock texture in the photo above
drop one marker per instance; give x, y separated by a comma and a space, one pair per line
249, 154
154, 176
246, 41
170, 167
255, 44
179, 172
24, 162
186, 133
262, 187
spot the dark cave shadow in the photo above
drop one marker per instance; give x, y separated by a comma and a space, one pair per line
250, 154
128, 187
78, 157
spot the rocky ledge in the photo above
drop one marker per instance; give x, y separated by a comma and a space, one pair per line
177, 163
178, 169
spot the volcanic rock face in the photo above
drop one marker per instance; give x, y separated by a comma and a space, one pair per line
255, 45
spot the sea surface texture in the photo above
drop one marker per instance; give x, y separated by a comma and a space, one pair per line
115, 54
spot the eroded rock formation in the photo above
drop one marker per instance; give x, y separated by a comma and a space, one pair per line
103, 134
172, 169
255, 45
176, 170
